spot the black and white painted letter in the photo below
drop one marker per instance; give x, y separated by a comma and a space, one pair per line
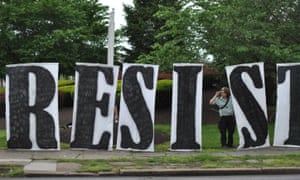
186, 107
94, 104
32, 106
287, 124
247, 85
136, 123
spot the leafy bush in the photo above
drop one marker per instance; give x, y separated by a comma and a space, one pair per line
212, 81
2, 89
118, 91
3, 139
66, 94
164, 93
2, 104
65, 82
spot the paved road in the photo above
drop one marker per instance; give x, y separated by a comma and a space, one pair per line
245, 177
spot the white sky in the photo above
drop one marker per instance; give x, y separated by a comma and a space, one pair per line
119, 13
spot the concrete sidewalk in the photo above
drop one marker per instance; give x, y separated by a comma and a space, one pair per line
46, 163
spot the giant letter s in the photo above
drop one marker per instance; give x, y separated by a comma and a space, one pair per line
246, 100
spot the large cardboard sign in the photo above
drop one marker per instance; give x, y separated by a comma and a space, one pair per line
186, 107
136, 122
94, 103
247, 86
32, 106
287, 123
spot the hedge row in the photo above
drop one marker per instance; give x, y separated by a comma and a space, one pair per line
2, 103
163, 93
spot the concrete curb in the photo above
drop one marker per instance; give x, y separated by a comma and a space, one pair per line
202, 172
175, 172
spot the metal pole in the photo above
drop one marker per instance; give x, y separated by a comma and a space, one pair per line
111, 38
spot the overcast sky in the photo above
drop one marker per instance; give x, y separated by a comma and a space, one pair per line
118, 6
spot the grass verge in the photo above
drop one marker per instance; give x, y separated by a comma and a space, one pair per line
207, 158
210, 138
195, 162
11, 171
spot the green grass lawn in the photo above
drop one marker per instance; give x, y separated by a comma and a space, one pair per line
2, 89
210, 137
3, 139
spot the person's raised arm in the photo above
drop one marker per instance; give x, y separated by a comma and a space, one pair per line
212, 100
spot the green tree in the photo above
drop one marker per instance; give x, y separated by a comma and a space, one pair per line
178, 39
64, 31
233, 31
237, 31
142, 25
241, 31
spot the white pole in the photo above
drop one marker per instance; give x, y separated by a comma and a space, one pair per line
111, 38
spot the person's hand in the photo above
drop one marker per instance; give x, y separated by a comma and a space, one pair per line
218, 93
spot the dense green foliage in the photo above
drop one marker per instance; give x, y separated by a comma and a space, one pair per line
240, 31
232, 31
163, 95
2, 139
64, 31
65, 82
66, 95
142, 25
176, 42
2, 90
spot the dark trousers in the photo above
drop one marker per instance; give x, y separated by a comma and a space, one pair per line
226, 125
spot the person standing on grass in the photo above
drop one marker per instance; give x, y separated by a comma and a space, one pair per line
226, 123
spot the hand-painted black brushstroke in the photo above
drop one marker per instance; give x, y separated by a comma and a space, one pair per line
252, 110
87, 104
133, 97
20, 109
294, 121
186, 107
